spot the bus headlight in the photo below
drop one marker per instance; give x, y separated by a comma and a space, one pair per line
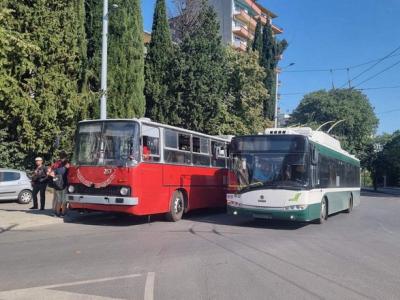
232, 203
71, 189
124, 191
296, 207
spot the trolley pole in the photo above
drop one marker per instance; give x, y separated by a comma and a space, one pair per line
103, 97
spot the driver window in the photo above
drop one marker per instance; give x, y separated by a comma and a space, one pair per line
150, 143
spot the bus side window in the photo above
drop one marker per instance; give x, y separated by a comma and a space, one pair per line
150, 143
218, 154
177, 147
201, 151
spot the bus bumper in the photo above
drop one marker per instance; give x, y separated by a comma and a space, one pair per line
104, 200
308, 214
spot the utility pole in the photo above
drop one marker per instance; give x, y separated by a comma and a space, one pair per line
276, 97
277, 71
103, 97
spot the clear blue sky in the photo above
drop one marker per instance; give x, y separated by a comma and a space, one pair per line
328, 34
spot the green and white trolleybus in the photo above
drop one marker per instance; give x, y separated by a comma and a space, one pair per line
292, 174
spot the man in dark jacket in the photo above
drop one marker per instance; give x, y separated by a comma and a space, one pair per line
39, 183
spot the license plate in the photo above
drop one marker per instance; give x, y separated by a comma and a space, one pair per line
262, 216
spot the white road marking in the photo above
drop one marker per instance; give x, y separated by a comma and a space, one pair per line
149, 286
48, 292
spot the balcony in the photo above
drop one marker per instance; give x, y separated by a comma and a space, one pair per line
241, 46
243, 16
243, 31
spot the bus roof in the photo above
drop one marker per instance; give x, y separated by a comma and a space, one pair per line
318, 137
147, 121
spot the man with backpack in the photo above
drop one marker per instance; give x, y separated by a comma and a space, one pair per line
58, 182
39, 184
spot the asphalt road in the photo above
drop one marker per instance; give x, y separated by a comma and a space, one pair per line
209, 255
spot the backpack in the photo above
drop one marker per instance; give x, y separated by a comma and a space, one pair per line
57, 182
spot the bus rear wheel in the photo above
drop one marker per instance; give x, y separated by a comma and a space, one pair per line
177, 206
350, 207
323, 215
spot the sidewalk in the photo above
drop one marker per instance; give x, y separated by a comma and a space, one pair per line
14, 216
387, 190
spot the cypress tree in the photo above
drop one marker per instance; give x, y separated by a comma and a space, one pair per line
202, 82
93, 31
159, 103
125, 79
258, 39
271, 52
126, 61
46, 98
268, 62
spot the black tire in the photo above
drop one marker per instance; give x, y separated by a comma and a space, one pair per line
323, 215
25, 197
350, 207
177, 207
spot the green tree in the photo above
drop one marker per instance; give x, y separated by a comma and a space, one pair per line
15, 65
391, 160
158, 65
125, 80
93, 31
242, 111
39, 97
126, 61
350, 105
201, 79
272, 51
382, 158
258, 38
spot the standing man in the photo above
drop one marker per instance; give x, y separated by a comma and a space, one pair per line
58, 172
39, 183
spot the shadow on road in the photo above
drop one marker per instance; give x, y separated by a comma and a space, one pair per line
209, 216
378, 194
8, 228
109, 219
219, 217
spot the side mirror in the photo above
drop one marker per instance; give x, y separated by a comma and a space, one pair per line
314, 155
216, 152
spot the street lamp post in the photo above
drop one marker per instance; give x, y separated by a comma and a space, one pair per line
103, 98
277, 70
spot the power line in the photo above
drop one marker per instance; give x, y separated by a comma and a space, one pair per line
374, 65
360, 89
379, 73
338, 69
388, 111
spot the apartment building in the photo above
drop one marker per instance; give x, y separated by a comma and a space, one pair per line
239, 20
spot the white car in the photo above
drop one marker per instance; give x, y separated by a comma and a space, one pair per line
15, 185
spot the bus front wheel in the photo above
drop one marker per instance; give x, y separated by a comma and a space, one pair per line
177, 206
323, 215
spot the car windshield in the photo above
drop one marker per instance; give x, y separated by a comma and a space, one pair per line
275, 170
111, 143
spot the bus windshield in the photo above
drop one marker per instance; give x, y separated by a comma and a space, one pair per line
270, 162
109, 143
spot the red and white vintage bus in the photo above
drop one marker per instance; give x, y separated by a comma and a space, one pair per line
140, 167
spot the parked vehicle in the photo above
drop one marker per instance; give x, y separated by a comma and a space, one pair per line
15, 185
141, 167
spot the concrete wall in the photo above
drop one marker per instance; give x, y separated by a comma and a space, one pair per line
225, 15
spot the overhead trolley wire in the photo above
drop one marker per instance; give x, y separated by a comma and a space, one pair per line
359, 89
338, 69
373, 66
379, 73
